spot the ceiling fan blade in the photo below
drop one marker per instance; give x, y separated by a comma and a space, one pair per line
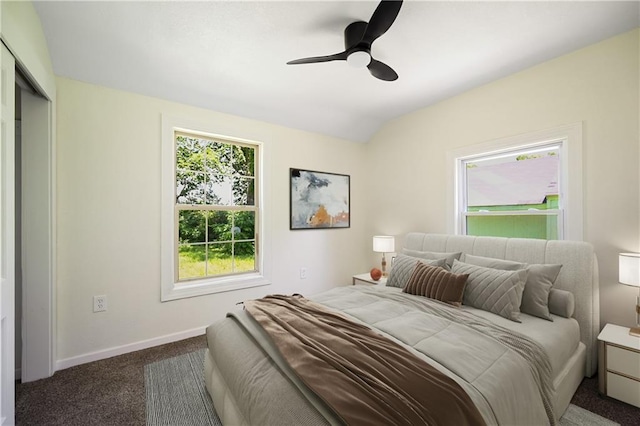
381, 70
381, 20
337, 57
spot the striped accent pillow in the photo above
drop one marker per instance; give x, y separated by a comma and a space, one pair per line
436, 283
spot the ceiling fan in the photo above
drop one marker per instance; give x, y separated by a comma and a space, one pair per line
358, 37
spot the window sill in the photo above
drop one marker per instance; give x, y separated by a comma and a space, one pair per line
217, 285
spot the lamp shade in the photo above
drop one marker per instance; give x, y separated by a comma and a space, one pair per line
629, 269
383, 244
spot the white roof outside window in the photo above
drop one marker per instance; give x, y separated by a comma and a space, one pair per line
513, 183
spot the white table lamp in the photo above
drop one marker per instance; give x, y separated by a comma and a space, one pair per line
629, 274
384, 244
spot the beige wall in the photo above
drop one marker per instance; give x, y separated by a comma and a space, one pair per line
108, 198
597, 85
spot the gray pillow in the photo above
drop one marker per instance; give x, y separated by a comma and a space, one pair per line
449, 257
490, 262
535, 298
561, 302
493, 290
403, 267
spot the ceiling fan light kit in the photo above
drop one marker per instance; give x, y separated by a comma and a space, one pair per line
359, 59
358, 37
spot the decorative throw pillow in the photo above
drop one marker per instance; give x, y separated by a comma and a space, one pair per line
561, 302
535, 298
493, 290
436, 283
448, 257
490, 262
403, 267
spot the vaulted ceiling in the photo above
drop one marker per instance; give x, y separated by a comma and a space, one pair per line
230, 56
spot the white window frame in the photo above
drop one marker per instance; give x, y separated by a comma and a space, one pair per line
171, 289
570, 180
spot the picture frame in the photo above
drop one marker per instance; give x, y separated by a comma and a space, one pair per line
319, 200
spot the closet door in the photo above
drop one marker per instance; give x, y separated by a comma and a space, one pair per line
7, 237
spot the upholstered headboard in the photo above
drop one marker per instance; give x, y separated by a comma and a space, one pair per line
579, 273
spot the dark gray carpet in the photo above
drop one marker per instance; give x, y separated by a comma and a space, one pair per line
108, 392
176, 394
587, 397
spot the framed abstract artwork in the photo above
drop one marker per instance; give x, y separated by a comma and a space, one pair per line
318, 200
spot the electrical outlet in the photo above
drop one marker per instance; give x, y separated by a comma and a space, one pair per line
303, 273
99, 303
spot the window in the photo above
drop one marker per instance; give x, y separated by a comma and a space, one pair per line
529, 186
216, 207
211, 213
513, 194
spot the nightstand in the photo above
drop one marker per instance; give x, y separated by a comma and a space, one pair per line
619, 364
366, 279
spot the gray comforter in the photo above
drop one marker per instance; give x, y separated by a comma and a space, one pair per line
506, 375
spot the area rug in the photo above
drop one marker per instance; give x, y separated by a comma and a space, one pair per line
175, 392
577, 416
176, 396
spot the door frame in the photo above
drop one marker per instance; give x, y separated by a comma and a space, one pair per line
7, 236
21, 32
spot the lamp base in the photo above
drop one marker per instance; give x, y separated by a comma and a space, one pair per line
384, 266
635, 331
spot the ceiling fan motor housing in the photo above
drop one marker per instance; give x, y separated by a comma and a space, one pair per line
359, 54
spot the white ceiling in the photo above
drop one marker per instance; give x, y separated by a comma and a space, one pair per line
230, 56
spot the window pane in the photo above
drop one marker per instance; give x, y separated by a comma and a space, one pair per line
243, 160
189, 154
190, 188
218, 156
517, 181
191, 261
219, 225
218, 190
220, 259
191, 226
244, 226
521, 226
245, 259
243, 192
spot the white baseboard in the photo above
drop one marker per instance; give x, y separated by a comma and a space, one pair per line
61, 364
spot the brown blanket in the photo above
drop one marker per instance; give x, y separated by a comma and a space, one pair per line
363, 376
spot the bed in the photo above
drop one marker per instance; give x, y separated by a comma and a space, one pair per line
251, 385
